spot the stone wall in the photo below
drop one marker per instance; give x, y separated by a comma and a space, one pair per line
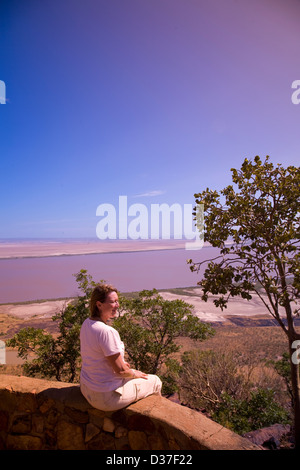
38, 414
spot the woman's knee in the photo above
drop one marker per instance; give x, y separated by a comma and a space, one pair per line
157, 384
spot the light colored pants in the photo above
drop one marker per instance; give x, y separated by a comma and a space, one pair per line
131, 391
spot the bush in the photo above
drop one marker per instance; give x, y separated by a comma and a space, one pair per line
214, 382
243, 416
205, 376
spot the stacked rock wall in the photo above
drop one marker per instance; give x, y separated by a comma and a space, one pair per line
38, 414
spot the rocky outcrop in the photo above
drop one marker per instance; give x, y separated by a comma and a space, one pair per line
272, 437
38, 414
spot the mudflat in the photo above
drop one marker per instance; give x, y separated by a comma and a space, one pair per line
36, 249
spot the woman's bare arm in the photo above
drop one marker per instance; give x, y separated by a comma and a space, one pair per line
120, 367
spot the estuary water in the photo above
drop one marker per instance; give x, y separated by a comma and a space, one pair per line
23, 279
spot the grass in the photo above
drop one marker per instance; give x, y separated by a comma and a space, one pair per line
257, 343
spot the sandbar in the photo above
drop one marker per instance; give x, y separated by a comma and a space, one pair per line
208, 312
39, 248
41, 309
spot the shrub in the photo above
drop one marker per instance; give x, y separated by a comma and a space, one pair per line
214, 382
246, 415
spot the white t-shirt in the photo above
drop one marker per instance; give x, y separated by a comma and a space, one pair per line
97, 341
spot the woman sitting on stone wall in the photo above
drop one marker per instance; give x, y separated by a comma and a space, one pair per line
107, 381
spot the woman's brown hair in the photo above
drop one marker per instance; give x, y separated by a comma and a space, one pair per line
99, 294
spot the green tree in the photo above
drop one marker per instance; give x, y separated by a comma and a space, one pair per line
47, 360
255, 225
149, 326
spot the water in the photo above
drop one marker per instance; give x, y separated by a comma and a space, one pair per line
26, 279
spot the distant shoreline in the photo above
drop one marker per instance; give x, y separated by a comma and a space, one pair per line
16, 249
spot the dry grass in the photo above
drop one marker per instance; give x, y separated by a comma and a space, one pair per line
256, 343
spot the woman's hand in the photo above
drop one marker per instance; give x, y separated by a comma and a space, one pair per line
133, 374
123, 368
140, 375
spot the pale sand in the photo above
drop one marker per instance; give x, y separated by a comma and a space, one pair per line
32, 249
35, 309
205, 311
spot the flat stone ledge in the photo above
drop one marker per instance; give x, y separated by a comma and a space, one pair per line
42, 414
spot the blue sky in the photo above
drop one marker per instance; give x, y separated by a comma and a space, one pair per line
152, 99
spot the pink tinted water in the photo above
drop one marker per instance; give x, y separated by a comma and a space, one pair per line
52, 277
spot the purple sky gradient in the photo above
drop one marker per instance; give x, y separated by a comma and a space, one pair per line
135, 97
